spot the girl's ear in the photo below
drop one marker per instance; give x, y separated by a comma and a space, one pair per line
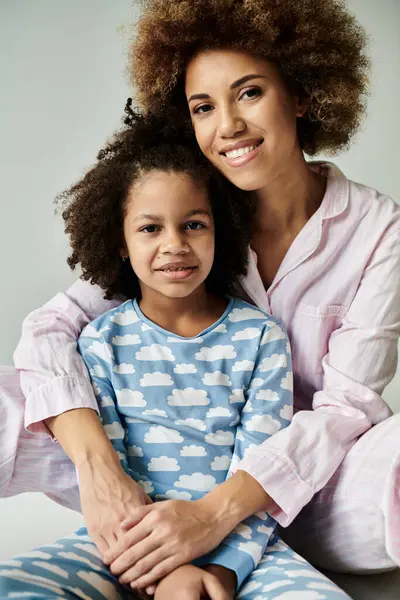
124, 253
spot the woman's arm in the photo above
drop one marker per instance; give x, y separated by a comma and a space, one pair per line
60, 401
53, 376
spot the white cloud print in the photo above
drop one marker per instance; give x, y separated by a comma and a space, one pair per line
162, 435
194, 423
114, 431
220, 328
106, 401
218, 352
243, 365
273, 335
188, 397
103, 351
176, 495
237, 396
276, 361
216, 378
130, 339
197, 481
250, 333
128, 397
244, 531
157, 378
184, 369
256, 382
245, 314
220, 438
155, 352
146, 485
135, 451
163, 463
268, 395
193, 450
179, 340
263, 424
218, 411
287, 381
125, 318
97, 371
286, 412
124, 369
255, 550
155, 412
221, 463
91, 332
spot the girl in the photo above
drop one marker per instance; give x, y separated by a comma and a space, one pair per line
260, 83
187, 378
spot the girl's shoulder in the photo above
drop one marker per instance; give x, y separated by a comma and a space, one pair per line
106, 324
247, 314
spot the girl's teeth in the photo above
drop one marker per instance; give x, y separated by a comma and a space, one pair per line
240, 152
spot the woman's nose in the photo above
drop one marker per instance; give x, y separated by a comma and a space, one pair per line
230, 122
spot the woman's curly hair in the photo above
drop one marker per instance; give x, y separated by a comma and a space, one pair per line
95, 207
317, 44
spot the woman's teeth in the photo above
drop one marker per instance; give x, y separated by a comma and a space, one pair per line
240, 151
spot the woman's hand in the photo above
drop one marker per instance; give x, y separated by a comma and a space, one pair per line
162, 537
192, 583
166, 535
108, 496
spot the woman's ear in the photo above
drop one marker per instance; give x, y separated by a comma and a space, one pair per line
124, 253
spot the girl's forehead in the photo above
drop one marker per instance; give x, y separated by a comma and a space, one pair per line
168, 191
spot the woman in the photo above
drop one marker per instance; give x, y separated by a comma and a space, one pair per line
261, 82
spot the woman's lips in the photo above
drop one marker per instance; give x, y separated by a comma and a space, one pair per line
250, 153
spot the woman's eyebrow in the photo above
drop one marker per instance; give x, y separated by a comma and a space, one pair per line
233, 86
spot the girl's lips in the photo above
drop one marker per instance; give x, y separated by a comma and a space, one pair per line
242, 160
178, 274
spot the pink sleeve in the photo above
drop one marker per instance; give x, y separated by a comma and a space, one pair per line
54, 378
298, 461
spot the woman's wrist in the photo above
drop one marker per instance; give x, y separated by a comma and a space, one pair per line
237, 498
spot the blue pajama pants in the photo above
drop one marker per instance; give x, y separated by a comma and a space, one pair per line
72, 568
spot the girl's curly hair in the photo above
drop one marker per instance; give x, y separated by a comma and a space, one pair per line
95, 207
317, 44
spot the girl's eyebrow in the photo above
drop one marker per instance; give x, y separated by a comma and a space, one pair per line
233, 86
191, 213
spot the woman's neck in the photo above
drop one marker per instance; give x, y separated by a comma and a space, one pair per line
289, 200
187, 316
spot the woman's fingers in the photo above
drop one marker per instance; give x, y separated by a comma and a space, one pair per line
132, 555
137, 516
125, 542
162, 569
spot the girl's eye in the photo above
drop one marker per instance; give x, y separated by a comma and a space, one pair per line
251, 93
194, 225
150, 229
203, 109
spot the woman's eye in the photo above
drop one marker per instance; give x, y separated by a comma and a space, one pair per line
150, 229
201, 110
251, 93
194, 225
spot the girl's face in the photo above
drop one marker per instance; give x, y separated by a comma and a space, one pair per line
243, 116
169, 234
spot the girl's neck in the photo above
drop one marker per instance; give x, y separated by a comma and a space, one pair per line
186, 317
289, 200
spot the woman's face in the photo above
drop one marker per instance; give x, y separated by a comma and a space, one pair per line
243, 116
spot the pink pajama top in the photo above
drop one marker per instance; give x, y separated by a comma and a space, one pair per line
338, 292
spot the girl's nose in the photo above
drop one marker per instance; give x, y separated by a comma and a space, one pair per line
175, 243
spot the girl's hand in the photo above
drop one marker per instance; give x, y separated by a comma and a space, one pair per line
162, 537
192, 583
108, 496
